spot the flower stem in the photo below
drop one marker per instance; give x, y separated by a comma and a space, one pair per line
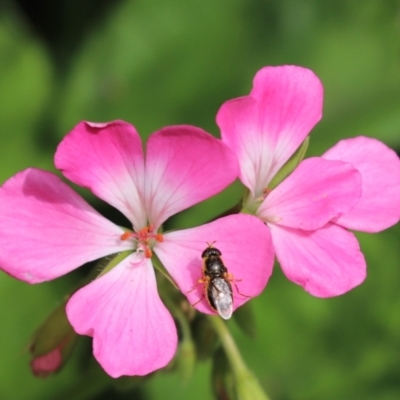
248, 386
231, 350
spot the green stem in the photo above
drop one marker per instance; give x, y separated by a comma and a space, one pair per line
247, 384
229, 345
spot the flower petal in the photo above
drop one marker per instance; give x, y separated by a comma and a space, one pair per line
108, 159
184, 165
265, 128
326, 262
246, 248
316, 191
47, 230
379, 205
133, 333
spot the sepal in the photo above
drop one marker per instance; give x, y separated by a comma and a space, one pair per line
290, 165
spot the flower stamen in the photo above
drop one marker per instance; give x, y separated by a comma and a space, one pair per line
125, 235
145, 239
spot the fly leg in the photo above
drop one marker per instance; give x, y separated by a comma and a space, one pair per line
202, 281
229, 277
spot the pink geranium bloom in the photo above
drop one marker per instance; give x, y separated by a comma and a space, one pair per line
379, 204
306, 212
47, 230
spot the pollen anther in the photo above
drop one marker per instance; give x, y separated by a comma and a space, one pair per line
144, 239
147, 252
125, 235
159, 237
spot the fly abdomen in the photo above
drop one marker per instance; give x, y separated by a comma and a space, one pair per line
219, 295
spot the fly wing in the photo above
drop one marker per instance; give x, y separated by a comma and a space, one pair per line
220, 296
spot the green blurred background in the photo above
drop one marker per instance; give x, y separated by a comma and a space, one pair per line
156, 63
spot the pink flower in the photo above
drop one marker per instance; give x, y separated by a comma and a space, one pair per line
355, 185
47, 230
379, 205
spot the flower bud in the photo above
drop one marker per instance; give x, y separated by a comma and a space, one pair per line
52, 343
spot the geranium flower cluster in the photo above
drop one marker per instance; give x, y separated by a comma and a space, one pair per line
354, 185
47, 229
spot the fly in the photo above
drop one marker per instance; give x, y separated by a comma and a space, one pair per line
217, 282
